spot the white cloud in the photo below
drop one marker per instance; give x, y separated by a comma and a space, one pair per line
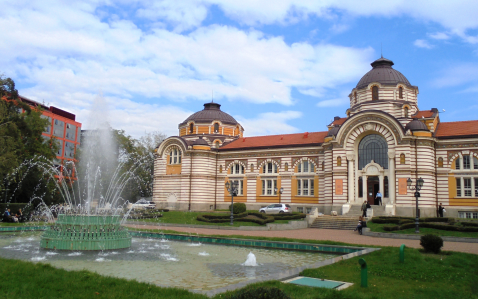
270, 123
421, 43
333, 102
439, 35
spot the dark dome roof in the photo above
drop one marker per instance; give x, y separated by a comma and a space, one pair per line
333, 131
211, 112
416, 125
383, 73
200, 141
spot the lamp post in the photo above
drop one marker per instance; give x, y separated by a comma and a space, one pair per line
418, 186
232, 188
280, 192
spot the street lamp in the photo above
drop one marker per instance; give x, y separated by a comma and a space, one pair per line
418, 186
280, 192
232, 188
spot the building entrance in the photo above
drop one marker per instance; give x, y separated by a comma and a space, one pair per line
373, 185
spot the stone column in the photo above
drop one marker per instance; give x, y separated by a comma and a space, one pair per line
380, 185
364, 188
351, 178
391, 178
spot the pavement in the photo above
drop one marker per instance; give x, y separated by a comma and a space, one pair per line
345, 236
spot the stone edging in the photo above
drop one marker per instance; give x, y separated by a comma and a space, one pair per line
296, 224
367, 232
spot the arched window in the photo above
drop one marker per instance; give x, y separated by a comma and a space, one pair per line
355, 97
220, 168
216, 128
440, 162
306, 167
458, 163
475, 162
252, 167
405, 112
402, 158
286, 166
237, 169
375, 93
373, 147
175, 156
191, 128
339, 161
400, 92
217, 144
269, 168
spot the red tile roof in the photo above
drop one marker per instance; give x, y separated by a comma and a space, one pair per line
424, 113
339, 121
270, 141
457, 129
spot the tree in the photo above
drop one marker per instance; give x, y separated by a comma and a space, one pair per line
21, 128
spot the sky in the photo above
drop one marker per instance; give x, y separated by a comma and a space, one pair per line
278, 67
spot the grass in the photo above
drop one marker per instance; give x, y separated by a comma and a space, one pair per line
180, 217
448, 275
378, 227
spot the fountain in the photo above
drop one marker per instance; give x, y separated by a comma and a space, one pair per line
251, 260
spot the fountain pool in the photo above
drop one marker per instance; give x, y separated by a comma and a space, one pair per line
193, 266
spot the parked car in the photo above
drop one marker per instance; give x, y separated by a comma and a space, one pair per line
277, 208
144, 204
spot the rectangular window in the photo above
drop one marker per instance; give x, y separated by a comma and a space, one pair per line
300, 209
311, 188
476, 187
299, 189
466, 162
240, 186
475, 163
467, 186
306, 167
263, 187
268, 187
269, 168
305, 184
469, 215
457, 163
458, 187
312, 167
299, 169
308, 210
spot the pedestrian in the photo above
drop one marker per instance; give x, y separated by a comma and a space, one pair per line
441, 209
378, 198
359, 225
364, 208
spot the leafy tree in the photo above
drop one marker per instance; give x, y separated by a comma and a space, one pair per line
21, 128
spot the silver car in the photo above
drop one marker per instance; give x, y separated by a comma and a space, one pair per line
277, 208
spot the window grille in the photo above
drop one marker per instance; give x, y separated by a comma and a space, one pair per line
373, 147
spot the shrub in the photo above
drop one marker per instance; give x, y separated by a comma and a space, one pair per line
431, 243
434, 219
239, 207
469, 224
260, 293
288, 217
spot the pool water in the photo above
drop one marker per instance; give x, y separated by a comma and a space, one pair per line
192, 266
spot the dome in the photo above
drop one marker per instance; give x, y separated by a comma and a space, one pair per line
383, 73
210, 113
333, 131
200, 141
416, 125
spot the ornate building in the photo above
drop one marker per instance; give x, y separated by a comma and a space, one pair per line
383, 141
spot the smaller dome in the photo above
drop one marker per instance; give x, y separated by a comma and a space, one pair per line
416, 125
200, 141
383, 73
333, 131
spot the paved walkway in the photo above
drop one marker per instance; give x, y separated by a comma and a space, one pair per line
344, 236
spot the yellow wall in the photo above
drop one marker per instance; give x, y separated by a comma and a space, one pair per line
227, 131
459, 201
182, 132
173, 169
203, 130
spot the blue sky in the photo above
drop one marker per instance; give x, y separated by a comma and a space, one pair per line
281, 66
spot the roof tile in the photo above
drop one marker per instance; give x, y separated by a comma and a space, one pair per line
457, 128
424, 113
276, 140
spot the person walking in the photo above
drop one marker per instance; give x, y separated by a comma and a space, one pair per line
378, 199
441, 209
364, 208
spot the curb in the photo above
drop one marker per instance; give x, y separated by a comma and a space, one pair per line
367, 232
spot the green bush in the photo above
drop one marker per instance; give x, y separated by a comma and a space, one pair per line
469, 224
239, 207
431, 243
434, 219
260, 293
288, 217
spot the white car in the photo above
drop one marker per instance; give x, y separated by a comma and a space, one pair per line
277, 208
144, 204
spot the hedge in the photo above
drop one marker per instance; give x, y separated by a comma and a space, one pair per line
431, 225
288, 217
469, 224
220, 219
12, 206
402, 220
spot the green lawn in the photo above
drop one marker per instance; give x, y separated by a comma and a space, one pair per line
450, 275
180, 217
378, 227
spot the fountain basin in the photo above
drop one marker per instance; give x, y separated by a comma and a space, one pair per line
85, 232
